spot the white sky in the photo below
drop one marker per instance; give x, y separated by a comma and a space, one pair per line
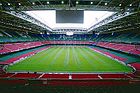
48, 17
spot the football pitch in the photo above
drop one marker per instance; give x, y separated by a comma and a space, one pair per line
69, 59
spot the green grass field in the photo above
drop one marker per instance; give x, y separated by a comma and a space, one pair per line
69, 59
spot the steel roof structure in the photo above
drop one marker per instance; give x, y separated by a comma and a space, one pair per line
126, 16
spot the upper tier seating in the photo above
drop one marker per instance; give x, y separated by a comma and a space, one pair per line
125, 37
13, 36
69, 42
64, 37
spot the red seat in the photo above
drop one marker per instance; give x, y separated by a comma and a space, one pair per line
7, 48
11, 60
85, 76
134, 49
114, 76
136, 65
26, 75
55, 76
6, 75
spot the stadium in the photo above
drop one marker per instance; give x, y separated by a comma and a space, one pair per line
70, 46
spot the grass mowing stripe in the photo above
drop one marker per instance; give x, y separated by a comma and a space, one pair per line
76, 56
39, 55
84, 64
57, 62
113, 64
51, 53
60, 61
50, 56
97, 59
105, 66
106, 61
76, 59
66, 61
44, 54
72, 64
94, 62
86, 57
102, 58
56, 56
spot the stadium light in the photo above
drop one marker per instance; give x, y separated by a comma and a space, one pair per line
9, 4
62, 2
77, 2
69, 33
33, 3
41, 33
48, 33
48, 2
91, 3
97, 33
19, 3
120, 4
105, 3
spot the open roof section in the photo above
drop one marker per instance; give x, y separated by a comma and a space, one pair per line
48, 17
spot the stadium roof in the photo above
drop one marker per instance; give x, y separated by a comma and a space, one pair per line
99, 5
124, 10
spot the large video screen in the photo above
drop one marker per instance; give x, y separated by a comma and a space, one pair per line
69, 16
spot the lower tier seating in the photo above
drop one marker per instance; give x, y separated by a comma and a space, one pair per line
11, 60
67, 76
55, 76
132, 49
13, 47
25, 75
137, 67
6, 75
111, 55
85, 76
113, 76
